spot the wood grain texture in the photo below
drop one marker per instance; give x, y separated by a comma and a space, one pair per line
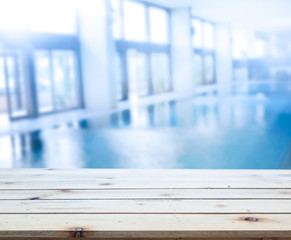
148, 183
104, 194
145, 225
125, 174
44, 204
146, 206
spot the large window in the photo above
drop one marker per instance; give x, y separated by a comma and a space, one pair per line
13, 91
56, 79
141, 31
160, 72
3, 102
16, 84
119, 70
159, 25
204, 52
39, 58
137, 72
134, 15
47, 82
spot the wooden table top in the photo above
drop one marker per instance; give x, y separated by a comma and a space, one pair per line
145, 204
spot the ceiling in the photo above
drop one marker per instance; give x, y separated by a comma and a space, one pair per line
261, 15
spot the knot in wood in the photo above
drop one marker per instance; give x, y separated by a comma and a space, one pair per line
252, 219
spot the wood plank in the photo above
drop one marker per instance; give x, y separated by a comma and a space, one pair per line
221, 172
100, 194
48, 178
146, 225
124, 178
142, 184
146, 184
90, 174
90, 177
145, 206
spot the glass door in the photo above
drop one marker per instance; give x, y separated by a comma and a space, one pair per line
13, 91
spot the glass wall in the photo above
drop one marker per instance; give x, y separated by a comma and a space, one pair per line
3, 99
44, 83
13, 85
137, 72
141, 32
203, 38
160, 65
57, 81
16, 85
159, 25
134, 21
39, 58
119, 75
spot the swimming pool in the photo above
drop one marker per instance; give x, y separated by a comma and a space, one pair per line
249, 129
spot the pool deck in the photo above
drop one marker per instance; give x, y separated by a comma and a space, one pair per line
145, 204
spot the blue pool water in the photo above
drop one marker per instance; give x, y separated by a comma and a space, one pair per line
249, 129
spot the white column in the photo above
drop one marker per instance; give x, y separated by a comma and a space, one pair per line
182, 51
224, 58
97, 50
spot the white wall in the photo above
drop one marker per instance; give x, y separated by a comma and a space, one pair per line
97, 50
182, 51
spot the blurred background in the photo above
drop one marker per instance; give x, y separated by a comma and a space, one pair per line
145, 84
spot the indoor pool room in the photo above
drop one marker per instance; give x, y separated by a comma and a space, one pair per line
152, 84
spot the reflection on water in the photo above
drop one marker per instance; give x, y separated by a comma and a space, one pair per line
250, 129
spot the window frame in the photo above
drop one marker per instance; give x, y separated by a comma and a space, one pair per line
122, 46
203, 52
28, 42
